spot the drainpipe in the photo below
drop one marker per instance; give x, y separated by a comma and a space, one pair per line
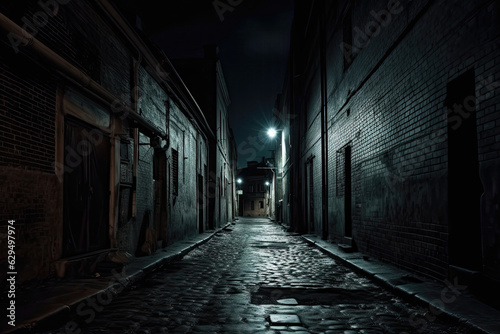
324, 121
135, 97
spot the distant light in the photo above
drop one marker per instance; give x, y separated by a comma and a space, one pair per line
267, 183
272, 132
240, 181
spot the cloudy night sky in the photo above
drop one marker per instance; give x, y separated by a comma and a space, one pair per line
253, 40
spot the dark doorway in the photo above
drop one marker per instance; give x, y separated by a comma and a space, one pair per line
306, 201
464, 185
86, 188
311, 196
347, 192
201, 202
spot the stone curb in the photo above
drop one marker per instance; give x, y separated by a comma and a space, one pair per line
429, 294
60, 313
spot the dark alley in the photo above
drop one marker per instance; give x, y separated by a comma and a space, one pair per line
250, 166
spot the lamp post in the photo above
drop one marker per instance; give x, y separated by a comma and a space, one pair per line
269, 199
239, 181
273, 133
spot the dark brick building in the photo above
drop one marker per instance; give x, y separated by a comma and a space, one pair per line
205, 79
256, 185
102, 145
390, 125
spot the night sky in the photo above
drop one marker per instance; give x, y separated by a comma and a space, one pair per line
253, 40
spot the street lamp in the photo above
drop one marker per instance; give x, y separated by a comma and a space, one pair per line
272, 132
268, 199
239, 192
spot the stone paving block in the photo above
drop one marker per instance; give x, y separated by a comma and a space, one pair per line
228, 286
284, 319
288, 301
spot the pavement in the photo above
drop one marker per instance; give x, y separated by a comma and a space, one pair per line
40, 309
445, 298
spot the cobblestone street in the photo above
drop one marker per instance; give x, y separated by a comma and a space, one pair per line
255, 278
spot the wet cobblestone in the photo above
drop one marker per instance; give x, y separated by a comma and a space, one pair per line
232, 283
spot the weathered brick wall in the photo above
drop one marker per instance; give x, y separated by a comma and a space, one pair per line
223, 201
395, 91
205, 81
389, 106
29, 190
191, 161
27, 125
311, 144
81, 36
76, 33
31, 198
31, 193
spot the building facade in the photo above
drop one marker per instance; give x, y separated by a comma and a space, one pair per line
205, 79
256, 180
390, 141
103, 146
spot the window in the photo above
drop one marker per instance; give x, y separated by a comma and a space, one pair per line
252, 205
261, 204
124, 150
175, 172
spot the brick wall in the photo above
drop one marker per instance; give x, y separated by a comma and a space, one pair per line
183, 206
31, 199
389, 105
26, 117
82, 37
29, 190
398, 131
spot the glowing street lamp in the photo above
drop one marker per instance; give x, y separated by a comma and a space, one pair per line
272, 132
239, 192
